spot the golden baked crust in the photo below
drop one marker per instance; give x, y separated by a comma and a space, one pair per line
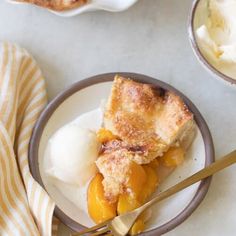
147, 121
145, 117
57, 5
114, 167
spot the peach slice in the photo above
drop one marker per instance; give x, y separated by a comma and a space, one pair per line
153, 164
127, 203
136, 180
99, 208
173, 157
105, 135
137, 227
150, 185
142, 183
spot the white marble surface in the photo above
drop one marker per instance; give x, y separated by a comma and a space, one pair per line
149, 38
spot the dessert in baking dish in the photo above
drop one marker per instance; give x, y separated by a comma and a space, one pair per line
145, 130
57, 5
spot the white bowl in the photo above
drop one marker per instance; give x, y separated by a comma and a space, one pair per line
92, 5
198, 16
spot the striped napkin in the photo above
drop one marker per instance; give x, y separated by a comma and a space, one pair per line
25, 208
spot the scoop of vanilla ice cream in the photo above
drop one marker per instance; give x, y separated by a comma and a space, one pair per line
208, 45
72, 151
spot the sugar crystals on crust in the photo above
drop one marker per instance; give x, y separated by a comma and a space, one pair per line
145, 117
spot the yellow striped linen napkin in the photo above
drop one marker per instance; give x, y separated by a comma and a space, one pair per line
25, 208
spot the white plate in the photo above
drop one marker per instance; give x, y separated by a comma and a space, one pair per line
86, 96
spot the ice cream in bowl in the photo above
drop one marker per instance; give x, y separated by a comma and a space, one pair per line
110, 143
212, 31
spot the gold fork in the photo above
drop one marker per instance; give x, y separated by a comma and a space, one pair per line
120, 225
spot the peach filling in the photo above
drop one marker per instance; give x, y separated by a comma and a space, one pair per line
105, 135
142, 182
99, 208
173, 157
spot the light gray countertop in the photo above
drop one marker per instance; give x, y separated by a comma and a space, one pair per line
149, 38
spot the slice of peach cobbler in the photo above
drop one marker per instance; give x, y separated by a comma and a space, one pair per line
146, 130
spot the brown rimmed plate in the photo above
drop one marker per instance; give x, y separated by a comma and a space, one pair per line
84, 96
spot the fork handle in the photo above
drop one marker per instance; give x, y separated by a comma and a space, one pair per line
202, 174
